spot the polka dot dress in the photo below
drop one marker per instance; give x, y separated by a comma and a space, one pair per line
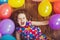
30, 32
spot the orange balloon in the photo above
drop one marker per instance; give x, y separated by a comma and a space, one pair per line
5, 11
54, 0
49, 0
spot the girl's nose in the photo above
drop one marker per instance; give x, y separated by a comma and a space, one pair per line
22, 20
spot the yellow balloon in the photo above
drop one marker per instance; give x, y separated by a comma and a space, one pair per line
45, 8
16, 3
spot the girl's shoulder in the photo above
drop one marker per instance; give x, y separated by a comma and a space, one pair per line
17, 28
20, 29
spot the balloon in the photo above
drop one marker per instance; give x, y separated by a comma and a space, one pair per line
0, 6
8, 37
5, 11
56, 7
16, 3
54, 0
44, 8
3, 1
7, 26
54, 22
49, 0
0, 35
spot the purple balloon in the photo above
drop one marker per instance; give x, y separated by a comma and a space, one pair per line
7, 26
54, 22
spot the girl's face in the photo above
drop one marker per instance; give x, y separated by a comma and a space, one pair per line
22, 19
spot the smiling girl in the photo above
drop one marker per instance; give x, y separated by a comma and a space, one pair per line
28, 30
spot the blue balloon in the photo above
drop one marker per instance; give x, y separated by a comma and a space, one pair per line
3, 1
8, 37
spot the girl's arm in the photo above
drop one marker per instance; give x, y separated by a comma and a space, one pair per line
18, 36
38, 23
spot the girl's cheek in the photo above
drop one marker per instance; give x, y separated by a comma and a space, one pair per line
19, 21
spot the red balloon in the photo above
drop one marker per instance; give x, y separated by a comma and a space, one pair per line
56, 8
5, 11
54, 0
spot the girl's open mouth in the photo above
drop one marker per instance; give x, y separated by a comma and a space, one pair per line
22, 23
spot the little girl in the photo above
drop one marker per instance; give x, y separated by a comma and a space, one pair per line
28, 30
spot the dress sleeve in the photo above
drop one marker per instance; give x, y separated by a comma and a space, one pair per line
18, 29
28, 23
